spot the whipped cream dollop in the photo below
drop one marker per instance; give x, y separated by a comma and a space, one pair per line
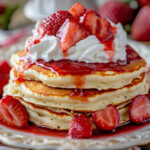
89, 50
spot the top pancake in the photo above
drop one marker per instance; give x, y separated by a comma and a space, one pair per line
101, 80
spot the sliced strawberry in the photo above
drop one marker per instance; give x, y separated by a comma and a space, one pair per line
80, 127
70, 33
90, 21
106, 119
13, 113
97, 26
105, 30
141, 25
77, 10
52, 23
139, 110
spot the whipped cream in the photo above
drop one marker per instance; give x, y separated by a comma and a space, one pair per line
89, 50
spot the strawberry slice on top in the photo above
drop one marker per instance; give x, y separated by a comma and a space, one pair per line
51, 24
77, 10
100, 27
139, 110
80, 127
70, 33
13, 113
106, 119
90, 21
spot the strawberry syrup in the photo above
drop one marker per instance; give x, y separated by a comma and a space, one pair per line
69, 67
97, 134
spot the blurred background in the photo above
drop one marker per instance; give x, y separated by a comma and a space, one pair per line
18, 17
21, 15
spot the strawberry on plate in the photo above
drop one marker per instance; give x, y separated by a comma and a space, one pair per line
52, 23
116, 11
4, 74
141, 25
143, 2
70, 33
13, 113
77, 10
106, 119
80, 127
139, 110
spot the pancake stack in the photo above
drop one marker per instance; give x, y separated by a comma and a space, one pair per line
52, 99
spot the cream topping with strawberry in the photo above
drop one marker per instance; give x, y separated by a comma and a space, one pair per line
91, 39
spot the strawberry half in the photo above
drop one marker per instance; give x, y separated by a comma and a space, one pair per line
97, 26
52, 23
13, 113
105, 30
106, 119
80, 127
141, 25
90, 21
77, 10
70, 33
139, 110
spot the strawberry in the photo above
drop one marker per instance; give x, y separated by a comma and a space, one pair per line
105, 30
4, 67
143, 2
77, 10
13, 113
80, 127
106, 119
97, 26
139, 110
141, 25
90, 21
70, 33
4, 74
52, 23
116, 11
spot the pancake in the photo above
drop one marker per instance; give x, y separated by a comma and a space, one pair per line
101, 80
60, 119
77, 100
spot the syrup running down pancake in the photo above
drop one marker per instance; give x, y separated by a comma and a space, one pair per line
73, 74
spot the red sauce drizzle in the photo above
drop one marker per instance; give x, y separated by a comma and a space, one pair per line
97, 134
69, 67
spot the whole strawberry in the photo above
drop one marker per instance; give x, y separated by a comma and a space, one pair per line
141, 25
116, 12
143, 2
80, 127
